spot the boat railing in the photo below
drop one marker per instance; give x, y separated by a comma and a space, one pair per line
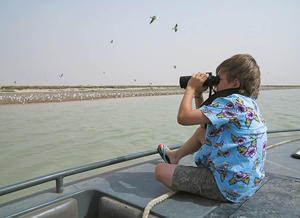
59, 176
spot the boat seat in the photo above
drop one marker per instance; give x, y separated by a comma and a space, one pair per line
111, 208
67, 208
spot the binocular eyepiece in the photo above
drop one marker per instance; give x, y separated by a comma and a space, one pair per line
210, 81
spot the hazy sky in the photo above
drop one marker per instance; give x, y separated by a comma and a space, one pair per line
40, 40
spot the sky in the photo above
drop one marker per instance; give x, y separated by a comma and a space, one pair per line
68, 42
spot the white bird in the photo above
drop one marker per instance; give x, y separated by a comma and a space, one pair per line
175, 28
153, 18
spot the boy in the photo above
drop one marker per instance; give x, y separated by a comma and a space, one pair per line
230, 142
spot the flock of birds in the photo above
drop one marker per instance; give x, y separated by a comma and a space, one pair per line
62, 96
76, 94
23, 98
152, 19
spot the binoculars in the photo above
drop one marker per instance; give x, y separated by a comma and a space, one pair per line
210, 81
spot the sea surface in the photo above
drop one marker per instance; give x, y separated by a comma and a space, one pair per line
38, 139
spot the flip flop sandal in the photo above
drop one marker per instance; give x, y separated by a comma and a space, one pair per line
161, 149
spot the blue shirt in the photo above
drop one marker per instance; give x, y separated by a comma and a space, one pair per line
235, 146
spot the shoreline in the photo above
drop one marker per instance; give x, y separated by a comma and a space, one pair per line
74, 94
28, 95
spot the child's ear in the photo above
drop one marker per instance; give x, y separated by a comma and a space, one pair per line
236, 83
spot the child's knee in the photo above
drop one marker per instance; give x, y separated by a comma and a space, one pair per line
164, 173
158, 173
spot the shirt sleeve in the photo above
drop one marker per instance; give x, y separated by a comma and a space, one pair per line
221, 111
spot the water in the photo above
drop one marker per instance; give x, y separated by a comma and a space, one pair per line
37, 139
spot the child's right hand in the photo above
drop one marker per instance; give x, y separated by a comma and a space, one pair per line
197, 81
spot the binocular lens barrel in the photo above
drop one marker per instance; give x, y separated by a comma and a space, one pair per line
183, 81
210, 81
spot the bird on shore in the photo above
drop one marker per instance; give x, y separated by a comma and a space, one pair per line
153, 18
61, 75
175, 28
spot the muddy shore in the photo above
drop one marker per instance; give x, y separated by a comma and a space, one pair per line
25, 96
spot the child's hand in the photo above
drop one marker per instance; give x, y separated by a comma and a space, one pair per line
196, 82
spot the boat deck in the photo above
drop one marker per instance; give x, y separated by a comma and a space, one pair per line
135, 186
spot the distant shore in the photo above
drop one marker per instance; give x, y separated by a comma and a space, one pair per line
58, 94
47, 94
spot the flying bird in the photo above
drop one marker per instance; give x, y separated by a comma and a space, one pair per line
175, 28
174, 66
60, 75
111, 41
153, 18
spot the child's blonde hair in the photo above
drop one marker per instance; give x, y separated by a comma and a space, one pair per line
244, 68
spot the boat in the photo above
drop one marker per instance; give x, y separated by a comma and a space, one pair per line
132, 191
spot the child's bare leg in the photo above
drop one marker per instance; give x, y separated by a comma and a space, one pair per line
189, 147
164, 172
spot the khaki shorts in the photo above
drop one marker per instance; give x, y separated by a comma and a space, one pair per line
196, 180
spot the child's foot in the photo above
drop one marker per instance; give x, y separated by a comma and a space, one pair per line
166, 154
162, 149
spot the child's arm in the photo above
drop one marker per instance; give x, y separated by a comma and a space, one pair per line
198, 99
186, 114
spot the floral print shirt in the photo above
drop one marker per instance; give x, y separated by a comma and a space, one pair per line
235, 146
